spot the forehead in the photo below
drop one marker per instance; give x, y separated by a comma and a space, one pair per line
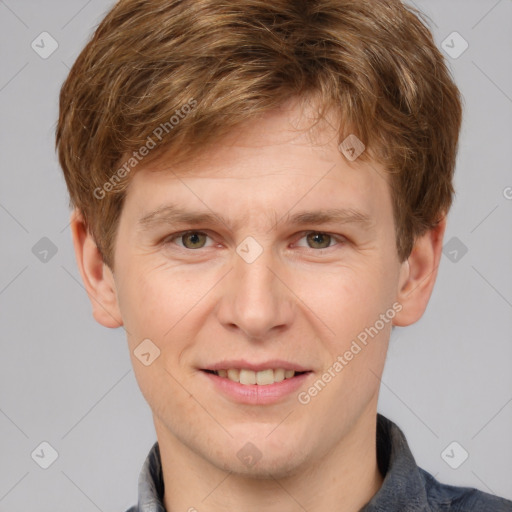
276, 163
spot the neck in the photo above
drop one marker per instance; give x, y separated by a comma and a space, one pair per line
344, 479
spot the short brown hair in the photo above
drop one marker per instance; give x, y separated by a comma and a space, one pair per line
373, 62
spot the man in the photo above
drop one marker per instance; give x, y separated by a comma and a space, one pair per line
260, 192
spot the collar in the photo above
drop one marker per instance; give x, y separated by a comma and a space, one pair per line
403, 489
151, 484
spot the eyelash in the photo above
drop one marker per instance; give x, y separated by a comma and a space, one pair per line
339, 239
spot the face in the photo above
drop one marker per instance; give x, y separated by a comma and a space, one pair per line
270, 252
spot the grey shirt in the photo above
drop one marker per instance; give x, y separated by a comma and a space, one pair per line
406, 487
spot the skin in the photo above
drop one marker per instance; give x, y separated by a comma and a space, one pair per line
303, 300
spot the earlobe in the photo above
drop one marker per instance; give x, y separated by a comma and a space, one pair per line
97, 277
418, 275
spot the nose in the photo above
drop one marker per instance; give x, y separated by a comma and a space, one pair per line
256, 299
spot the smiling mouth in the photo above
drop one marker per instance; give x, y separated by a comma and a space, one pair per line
250, 377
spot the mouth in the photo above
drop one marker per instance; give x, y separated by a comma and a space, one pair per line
251, 383
248, 377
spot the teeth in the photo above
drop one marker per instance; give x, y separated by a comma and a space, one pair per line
265, 377
279, 375
247, 377
234, 375
262, 378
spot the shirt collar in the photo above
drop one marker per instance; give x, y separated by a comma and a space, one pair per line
403, 487
151, 483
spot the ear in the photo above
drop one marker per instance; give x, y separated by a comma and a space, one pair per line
418, 275
96, 275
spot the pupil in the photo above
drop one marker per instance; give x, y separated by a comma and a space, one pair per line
193, 238
317, 238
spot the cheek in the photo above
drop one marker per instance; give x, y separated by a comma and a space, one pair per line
344, 299
154, 301
355, 344
350, 302
157, 305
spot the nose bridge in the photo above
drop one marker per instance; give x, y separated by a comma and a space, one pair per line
257, 301
253, 275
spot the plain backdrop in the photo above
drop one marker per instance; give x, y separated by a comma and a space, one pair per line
67, 381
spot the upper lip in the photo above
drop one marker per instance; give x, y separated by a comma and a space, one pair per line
256, 367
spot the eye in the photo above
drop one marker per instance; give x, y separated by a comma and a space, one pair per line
197, 240
319, 240
189, 239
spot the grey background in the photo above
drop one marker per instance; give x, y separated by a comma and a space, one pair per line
67, 380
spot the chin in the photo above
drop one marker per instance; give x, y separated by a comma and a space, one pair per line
270, 463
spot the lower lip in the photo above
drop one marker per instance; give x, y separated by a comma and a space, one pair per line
254, 394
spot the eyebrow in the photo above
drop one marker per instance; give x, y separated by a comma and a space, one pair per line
171, 214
